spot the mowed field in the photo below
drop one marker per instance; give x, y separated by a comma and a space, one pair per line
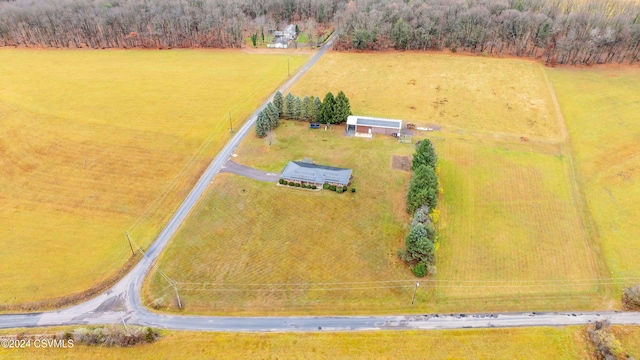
600, 107
95, 143
514, 227
471, 94
510, 227
517, 343
259, 248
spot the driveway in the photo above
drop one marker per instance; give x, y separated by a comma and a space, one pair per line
235, 168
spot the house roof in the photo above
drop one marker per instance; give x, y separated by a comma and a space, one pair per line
304, 171
290, 28
376, 122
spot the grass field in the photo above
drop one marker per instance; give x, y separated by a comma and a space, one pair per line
509, 231
601, 110
510, 226
92, 142
470, 93
246, 236
516, 343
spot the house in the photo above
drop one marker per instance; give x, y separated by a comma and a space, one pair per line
367, 126
308, 173
290, 32
279, 43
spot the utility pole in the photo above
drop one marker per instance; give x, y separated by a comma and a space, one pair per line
131, 246
230, 123
414, 292
177, 295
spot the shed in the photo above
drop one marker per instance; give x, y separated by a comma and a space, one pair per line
371, 125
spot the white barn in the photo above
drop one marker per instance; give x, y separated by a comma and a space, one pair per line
371, 125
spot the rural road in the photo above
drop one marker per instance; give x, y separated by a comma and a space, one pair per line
122, 303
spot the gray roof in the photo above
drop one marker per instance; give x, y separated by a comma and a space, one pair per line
302, 171
394, 124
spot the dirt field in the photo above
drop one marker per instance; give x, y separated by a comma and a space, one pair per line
517, 343
601, 110
463, 93
92, 142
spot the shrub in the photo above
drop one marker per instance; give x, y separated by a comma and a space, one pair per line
631, 298
314, 187
420, 270
339, 190
332, 187
344, 188
281, 181
353, 190
291, 183
325, 186
297, 185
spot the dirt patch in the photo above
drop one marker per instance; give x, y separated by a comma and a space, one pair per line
401, 163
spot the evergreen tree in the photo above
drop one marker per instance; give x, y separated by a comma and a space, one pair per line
342, 109
271, 113
277, 101
317, 105
425, 155
423, 189
418, 246
287, 106
262, 125
325, 116
297, 108
305, 109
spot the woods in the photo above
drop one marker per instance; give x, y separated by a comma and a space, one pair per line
557, 31
151, 23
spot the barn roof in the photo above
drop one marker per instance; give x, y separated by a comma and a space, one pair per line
304, 171
375, 122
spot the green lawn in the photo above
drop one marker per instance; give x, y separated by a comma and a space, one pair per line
601, 110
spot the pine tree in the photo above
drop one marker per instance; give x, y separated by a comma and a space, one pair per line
326, 110
305, 110
423, 189
277, 101
317, 105
342, 109
287, 106
425, 155
262, 125
271, 113
297, 108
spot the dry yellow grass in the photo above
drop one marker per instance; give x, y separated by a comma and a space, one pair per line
89, 140
470, 93
629, 337
600, 107
517, 343
332, 252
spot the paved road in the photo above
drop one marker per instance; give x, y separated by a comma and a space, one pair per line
255, 174
122, 302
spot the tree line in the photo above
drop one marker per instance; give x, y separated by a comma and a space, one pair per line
558, 31
332, 110
152, 23
422, 199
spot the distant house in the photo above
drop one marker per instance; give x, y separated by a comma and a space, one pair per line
308, 173
282, 38
368, 126
290, 32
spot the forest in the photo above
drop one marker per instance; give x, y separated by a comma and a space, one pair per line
557, 31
